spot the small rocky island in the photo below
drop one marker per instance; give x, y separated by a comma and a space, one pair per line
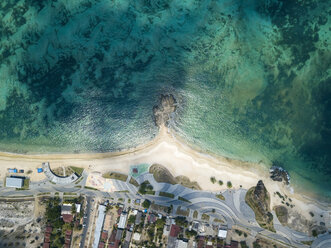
162, 111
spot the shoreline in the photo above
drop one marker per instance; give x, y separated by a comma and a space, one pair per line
249, 174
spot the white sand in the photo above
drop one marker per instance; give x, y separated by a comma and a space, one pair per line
179, 158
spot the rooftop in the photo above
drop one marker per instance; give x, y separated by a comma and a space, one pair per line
98, 225
14, 182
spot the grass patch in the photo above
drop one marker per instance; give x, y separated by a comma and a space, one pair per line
77, 170
116, 175
162, 174
186, 182
134, 182
122, 191
78, 186
44, 193
282, 214
166, 194
79, 180
307, 242
220, 196
69, 193
218, 220
263, 220
87, 187
195, 214
16, 196
26, 183
182, 212
205, 217
159, 208
183, 199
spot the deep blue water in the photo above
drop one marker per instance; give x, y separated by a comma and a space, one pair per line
252, 78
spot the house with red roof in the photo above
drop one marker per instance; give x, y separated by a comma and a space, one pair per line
174, 230
67, 218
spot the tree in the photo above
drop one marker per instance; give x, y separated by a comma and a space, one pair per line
213, 179
160, 223
73, 208
132, 219
170, 208
191, 233
181, 221
146, 204
220, 182
229, 184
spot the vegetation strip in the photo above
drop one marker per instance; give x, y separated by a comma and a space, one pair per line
166, 194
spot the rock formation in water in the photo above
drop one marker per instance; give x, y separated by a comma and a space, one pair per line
164, 109
279, 174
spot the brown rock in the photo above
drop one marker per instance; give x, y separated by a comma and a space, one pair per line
164, 109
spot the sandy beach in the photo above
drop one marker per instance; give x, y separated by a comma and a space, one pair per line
180, 159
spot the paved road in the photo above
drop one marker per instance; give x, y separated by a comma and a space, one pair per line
86, 220
323, 241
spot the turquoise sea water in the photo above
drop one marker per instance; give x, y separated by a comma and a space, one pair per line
252, 78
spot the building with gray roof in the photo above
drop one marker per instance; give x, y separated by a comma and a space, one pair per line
99, 225
14, 182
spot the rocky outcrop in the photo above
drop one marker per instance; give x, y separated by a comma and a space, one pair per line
259, 200
164, 109
261, 197
279, 174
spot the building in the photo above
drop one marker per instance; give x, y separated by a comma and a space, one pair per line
136, 236
222, 233
195, 226
14, 182
78, 206
234, 244
201, 242
66, 209
112, 240
99, 225
12, 170
138, 218
209, 244
122, 221
151, 218
67, 218
172, 240
181, 244
119, 235
174, 231
127, 239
